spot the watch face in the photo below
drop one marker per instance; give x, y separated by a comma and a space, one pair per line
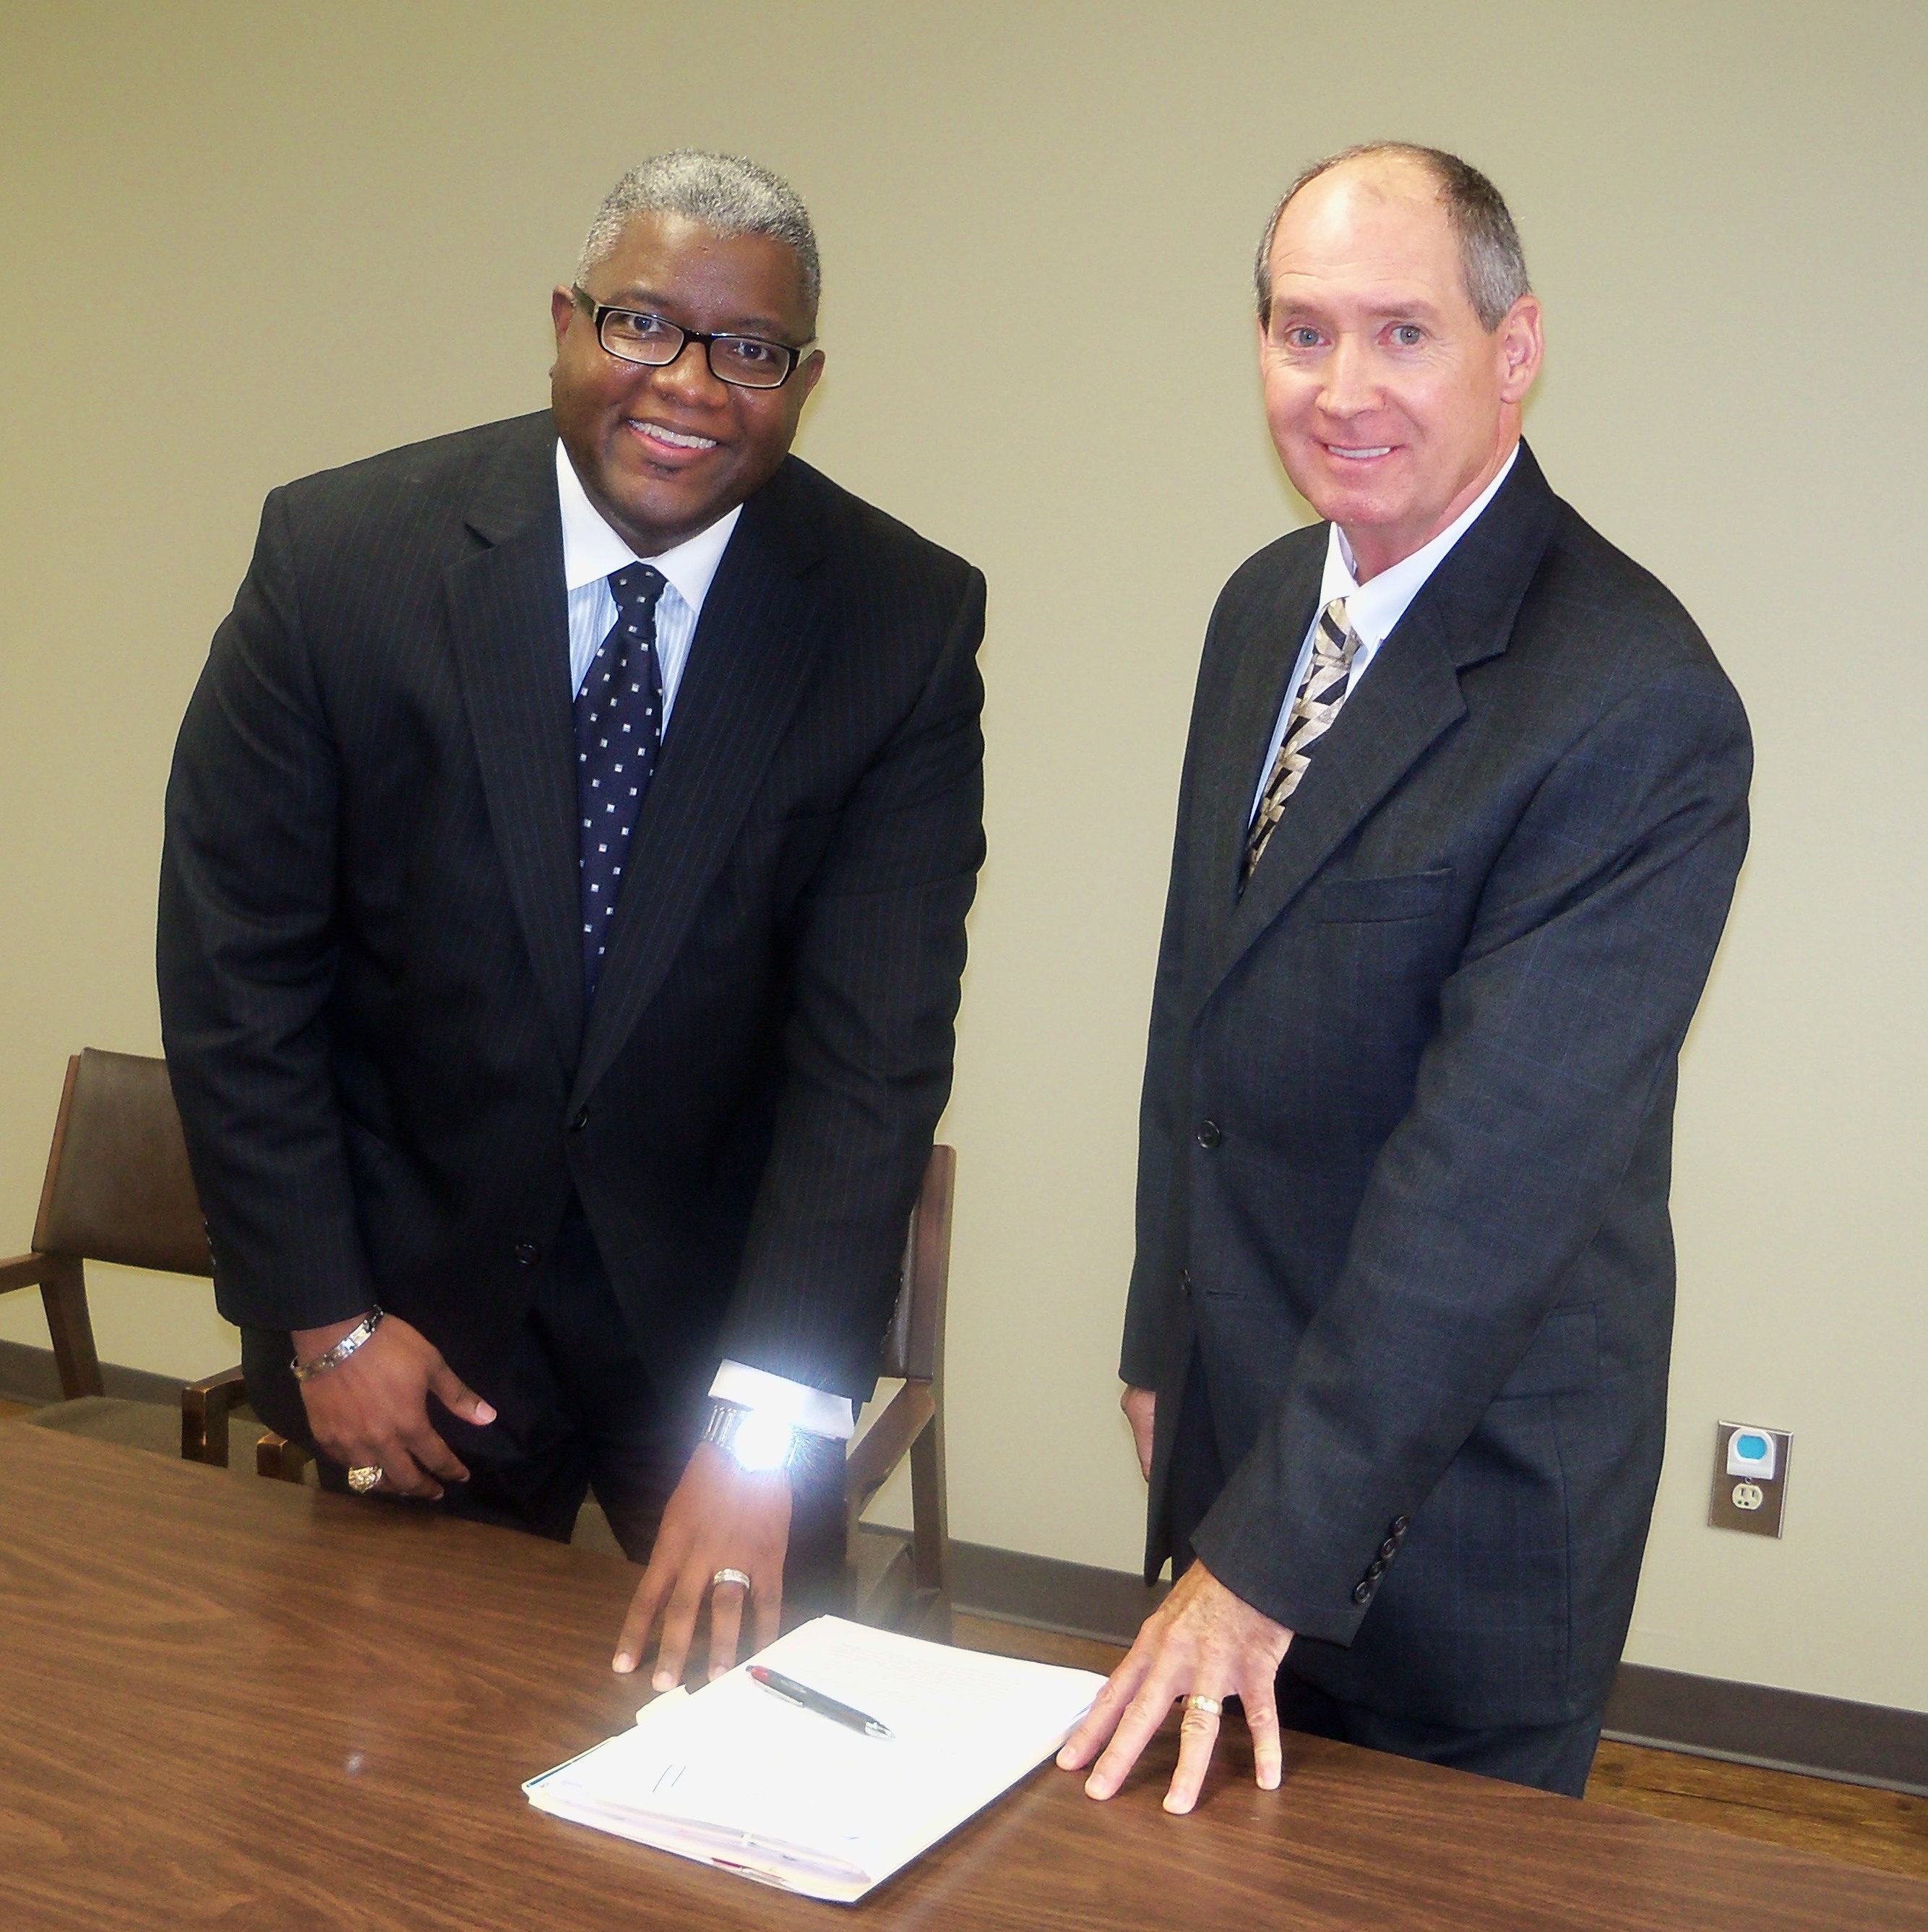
761, 1442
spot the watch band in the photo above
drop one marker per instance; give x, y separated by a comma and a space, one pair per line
333, 1358
752, 1442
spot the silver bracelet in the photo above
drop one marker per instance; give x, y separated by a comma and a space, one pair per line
334, 1357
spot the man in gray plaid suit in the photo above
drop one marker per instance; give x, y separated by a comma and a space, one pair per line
1463, 805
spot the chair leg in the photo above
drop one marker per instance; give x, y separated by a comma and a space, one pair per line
275, 1455
930, 1510
64, 1295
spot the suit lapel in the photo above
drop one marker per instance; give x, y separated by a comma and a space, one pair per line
509, 627
1409, 698
755, 648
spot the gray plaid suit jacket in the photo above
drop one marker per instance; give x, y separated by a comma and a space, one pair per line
1406, 1130
370, 954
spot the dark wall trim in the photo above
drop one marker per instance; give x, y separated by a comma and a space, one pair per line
1781, 1730
1706, 1717
27, 1374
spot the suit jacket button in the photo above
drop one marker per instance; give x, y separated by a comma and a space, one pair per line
1185, 1284
579, 1121
1209, 1136
1389, 1549
1361, 1593
1399, 1526
1375, 1569
527, 1254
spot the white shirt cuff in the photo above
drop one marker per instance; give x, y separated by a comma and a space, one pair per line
796, 1403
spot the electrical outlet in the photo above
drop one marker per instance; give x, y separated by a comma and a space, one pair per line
1750, 1478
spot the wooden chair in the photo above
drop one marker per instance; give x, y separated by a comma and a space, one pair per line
888, 1578
118, 1190
906, 1583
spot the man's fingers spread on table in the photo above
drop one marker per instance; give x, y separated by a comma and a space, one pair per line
1197, 1732
1099, 1722
1262, 1720
726, 1623
766, 1608
643, 1608
678, 1628
1142, 1717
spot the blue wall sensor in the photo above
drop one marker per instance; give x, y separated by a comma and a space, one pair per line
1750, 1452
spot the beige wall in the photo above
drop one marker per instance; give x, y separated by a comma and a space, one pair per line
241, 242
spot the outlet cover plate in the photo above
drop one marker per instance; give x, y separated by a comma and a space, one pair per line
1757, 1504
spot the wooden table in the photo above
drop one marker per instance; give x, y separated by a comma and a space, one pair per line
238, 1703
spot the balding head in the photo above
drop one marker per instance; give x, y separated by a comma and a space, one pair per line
1491, 262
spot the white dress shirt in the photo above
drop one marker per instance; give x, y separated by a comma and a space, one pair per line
1371, 609
592, 554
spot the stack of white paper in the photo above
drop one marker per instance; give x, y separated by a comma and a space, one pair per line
732, 1775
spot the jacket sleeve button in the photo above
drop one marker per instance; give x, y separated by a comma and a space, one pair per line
1389, 1549
1399, 1526
1361, 1593
1375, 1569
1209, 1134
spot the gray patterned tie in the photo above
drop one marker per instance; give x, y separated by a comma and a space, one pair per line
1334, 641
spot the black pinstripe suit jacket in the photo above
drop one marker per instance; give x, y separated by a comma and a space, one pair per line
369, 959
1408, 1112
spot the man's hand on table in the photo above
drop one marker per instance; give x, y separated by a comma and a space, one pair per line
1202, 1641
372, 1409
722, 1517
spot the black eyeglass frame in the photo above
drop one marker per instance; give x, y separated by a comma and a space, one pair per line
599, 311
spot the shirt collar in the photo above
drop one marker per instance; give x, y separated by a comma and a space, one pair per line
591, 549
1373, 609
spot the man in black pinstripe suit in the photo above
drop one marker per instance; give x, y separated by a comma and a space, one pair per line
628, 1190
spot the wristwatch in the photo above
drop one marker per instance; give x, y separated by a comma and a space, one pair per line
757, 1443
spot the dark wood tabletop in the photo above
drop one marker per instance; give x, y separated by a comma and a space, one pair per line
228, 1703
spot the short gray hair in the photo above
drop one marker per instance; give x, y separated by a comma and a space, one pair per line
1491, 262
723, 192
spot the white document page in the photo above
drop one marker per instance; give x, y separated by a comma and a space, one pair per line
732, 1775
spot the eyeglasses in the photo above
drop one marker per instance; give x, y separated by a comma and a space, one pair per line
635, 335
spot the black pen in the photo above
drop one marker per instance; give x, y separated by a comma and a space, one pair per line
806, 1698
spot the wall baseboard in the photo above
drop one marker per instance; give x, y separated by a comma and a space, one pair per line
28, 1374
1667, 1710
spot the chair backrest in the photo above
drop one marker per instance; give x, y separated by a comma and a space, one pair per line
913, 1345
119, 1187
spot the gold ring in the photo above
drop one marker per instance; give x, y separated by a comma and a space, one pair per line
1206, 1707
740, 1577
363, 1479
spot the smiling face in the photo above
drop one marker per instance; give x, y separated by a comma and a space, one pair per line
1390, 406
663, 452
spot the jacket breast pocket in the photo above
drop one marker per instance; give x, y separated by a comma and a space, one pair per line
1366, 901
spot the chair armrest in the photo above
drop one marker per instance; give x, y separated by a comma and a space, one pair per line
205, 1407
23, 1271
885, 1443
276, 1456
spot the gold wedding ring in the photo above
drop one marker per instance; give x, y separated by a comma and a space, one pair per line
740, 1577
1206, 1707
363, 1479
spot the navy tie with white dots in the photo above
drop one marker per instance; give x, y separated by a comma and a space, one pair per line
618, 730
